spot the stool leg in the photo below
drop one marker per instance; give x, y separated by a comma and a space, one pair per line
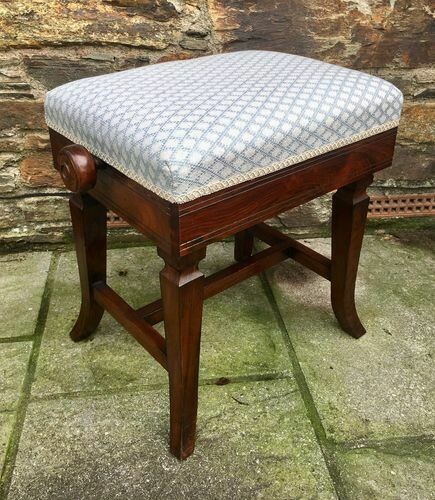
243, 243
182, 287
349, 212
88, 218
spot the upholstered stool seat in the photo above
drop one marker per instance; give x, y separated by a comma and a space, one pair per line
191, 152
184, 129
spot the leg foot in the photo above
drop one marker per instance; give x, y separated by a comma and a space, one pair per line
88, 218
182, 286
349, 212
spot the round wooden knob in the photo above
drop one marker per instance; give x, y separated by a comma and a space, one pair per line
77, 168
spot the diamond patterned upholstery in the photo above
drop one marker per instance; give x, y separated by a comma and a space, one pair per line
184, 129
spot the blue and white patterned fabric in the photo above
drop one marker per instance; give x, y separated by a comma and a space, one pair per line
185, 129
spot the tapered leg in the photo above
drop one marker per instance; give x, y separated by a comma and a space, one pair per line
88, 218
349, 212
182, 287
243, 244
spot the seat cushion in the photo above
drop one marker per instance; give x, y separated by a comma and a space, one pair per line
185, 129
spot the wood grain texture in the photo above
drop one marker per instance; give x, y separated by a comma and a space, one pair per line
349, 213
182, 287
88, 218
145, 334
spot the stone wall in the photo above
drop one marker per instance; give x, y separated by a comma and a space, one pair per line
44, 43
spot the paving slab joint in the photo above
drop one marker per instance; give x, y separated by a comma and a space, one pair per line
326, 447
9, 340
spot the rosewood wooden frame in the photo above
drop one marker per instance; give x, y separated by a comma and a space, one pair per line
182, 232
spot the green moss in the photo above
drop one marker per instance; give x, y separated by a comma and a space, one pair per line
379, 386
371, 474
254, 441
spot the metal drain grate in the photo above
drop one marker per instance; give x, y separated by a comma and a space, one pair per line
410, 205
402, 205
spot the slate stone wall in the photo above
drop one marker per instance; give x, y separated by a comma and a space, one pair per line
44, 43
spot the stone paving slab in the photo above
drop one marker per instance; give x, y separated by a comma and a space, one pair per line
391, 474
22, 282
14, 359
6, 426
383, 384
254, 441
240, 334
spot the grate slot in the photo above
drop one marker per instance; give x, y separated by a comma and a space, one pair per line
412, 205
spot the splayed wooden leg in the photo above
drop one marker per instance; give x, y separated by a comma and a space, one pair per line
349, 213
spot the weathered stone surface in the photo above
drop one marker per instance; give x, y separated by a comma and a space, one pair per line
53, 71
53, 22
259, 24
34, 219
111, 358
418, 123
236, 341
18, 214
22, 114
178, 56
9, 218
393, 34
8, 173
38, 170
46, 209
22, 281
10, 141
400, 471
48, 43
382, 385
414, 83
413, 167
53, 234
362, 34
160, 10
15, 90
13, 366
313, 213
38, 141
194, 43
254, 441
9, 66
131, 62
